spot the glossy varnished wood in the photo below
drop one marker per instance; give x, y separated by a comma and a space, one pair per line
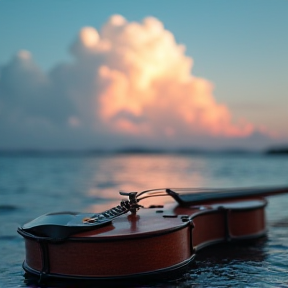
152, 240
124, 257
33, 254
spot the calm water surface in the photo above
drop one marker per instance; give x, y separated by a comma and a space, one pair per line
31, 186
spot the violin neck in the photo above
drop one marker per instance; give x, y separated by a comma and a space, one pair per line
224, 194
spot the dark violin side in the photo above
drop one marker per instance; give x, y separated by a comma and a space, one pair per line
130, 241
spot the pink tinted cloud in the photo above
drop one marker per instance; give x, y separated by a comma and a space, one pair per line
146, 85
128, 79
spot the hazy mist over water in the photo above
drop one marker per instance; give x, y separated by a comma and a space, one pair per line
31, 186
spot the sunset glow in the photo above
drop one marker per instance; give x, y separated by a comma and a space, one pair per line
127, 79
146, 81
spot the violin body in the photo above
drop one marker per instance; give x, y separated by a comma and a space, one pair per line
152, 241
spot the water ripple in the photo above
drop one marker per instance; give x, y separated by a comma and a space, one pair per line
8, 208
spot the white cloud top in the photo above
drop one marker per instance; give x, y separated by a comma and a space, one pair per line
127, 80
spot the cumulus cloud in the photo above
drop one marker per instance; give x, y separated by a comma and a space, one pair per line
127, 81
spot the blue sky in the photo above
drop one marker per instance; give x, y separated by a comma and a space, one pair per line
239, 46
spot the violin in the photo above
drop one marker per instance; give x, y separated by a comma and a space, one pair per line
130, 241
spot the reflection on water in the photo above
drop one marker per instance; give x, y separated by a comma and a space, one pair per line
31, 186
145, 172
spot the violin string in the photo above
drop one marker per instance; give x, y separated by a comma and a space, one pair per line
155, 194
151, 190
149, 196
194, 190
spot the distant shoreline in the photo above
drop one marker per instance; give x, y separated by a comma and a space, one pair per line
141, 151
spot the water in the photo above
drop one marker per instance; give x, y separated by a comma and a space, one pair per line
31, 186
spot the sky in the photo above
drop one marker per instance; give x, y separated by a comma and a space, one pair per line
168, 74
